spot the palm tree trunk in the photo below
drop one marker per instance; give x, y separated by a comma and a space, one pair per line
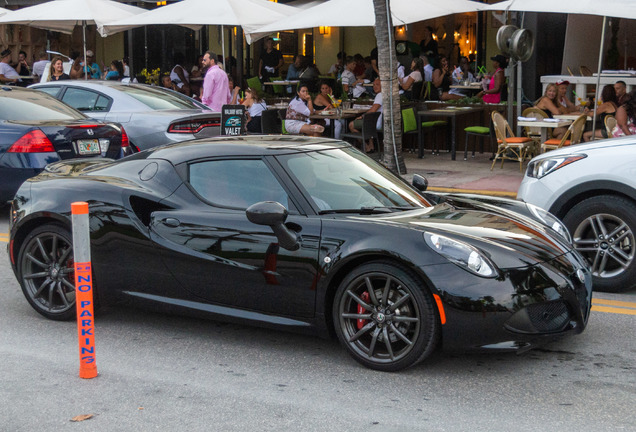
387, 66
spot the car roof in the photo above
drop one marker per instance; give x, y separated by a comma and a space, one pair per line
250, 145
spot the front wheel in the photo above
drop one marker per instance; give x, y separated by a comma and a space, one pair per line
384, 316
46, 272
603, 230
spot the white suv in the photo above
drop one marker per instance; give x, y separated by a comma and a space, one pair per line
592, 188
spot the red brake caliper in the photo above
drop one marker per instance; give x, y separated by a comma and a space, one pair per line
365, 298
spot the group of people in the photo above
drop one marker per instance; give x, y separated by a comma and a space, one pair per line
615, 101
15, 73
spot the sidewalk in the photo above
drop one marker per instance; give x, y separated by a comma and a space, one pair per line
465, 176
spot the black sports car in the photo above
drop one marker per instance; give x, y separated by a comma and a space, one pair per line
37, 129
303, 234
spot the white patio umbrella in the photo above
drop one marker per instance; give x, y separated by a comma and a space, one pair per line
249, 14
605, 8
360, 13
3, 11
64, 15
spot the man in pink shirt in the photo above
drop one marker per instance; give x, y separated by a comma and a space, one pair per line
216, 90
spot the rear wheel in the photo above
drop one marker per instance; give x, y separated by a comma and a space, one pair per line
603, 229
46, 271
385, 317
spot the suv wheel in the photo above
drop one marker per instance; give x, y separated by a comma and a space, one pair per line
603, 229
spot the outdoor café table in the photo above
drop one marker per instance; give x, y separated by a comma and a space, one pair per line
475, 87
346, 114
572, 116
544, 125
451, 112
281, 83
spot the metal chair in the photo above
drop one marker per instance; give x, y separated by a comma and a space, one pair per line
479, 132
509, 146
271, 122
369, 129
574, 133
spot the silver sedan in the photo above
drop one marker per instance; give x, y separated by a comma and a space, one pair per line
150, 115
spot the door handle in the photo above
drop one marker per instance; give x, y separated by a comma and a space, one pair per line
171, 222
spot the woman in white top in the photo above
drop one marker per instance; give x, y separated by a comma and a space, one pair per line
298, 112
415, 75
255, 107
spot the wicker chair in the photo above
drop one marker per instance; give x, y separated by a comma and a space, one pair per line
572, 136
510, 147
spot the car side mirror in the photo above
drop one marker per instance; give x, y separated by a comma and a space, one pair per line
273, 214
420, 183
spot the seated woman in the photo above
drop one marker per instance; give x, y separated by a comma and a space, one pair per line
234, 90
323, 101
608, 107
298, 112
407, 82
56, 73
497, 81
255, 107
626, 117
356, 125
442, 80
115, 71
548, 104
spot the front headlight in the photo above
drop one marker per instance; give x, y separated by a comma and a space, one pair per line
462, 254
542, 167
551, 221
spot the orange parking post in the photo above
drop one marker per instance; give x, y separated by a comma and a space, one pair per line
84, 290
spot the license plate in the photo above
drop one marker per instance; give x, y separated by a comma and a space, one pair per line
88, 147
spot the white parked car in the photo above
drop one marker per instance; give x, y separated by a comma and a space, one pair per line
592, 188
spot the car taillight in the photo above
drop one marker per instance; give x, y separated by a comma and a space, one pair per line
124, 138
192, 127
32, 142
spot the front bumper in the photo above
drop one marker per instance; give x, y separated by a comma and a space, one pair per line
522, 308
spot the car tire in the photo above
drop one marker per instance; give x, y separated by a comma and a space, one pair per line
384, 316
46, 271
603, 230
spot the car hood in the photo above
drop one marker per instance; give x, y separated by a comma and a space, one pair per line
509, 239
591, 147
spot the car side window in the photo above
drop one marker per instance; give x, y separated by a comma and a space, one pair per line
85, 100
51, 90
237, 183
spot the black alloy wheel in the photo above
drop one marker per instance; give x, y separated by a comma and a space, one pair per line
46, 270
384, 316
603, 230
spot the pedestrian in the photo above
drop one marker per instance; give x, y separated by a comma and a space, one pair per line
621, 92
216, 91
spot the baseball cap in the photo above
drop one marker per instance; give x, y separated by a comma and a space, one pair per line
89, 53
5, 53
566, 82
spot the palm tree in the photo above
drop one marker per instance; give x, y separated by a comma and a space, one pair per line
387, 66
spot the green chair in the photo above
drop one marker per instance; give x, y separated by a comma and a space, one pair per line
479, 132
282, 113
409, 126
432, 128
255, 83
279, 90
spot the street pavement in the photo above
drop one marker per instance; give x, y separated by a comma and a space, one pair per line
465, 176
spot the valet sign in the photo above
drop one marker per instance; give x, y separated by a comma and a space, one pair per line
232, 119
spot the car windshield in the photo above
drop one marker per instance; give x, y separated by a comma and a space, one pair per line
22, 105
343, 179
158, 99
